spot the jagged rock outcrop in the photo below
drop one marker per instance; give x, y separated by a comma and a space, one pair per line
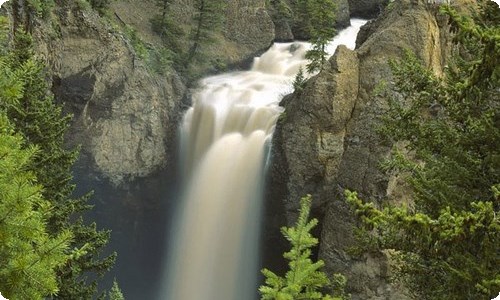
125, 113
315, 123
342, 14
327, 140
249, 25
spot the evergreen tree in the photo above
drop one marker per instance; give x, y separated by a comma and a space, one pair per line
447, 240
29, 256
40, 122
165, 25
164, 6
280, 12
208, 19
115, 293
301, 19
299, 81
304, 278
322, 31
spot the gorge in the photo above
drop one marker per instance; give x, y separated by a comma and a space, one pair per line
194, 178
225, 137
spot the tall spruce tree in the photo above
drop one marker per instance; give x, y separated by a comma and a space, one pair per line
322, 31
447, 241
304, 279
29, 255
41, 123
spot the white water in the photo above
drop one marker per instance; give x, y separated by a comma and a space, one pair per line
224, 140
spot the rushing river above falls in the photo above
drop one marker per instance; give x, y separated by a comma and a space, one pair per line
225, 140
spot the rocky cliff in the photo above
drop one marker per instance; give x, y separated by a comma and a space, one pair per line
125, 112
287, 28
326, 140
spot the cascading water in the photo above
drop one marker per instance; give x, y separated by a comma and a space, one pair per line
224, 140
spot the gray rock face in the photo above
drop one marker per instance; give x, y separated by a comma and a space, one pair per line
310, 135
366, 9
249, 25
283, 31
327, 141
343, 14
125, 115
286, 31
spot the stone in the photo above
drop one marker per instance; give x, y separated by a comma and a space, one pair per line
327, 139
126, 115
366, 9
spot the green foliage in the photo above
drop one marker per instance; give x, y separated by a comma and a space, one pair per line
322, 30
447, 241
29, 256
299, 81
304, 278
301, 18
136, 42
208, 19
161, 60
25, 99
164, 24
40, 8
115, 293
100, 5
169, 31
280, 11
453, 256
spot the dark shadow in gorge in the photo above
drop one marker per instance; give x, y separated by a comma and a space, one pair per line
137, 213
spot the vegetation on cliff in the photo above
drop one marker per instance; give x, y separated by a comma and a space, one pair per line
322, 31
448, 134
36, 122
304, 279
29, 255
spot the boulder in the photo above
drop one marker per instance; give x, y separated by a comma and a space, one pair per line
249, 25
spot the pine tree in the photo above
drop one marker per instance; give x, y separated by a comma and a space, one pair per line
208, 19
41, 123
301, 19
29, 256
280, 11
165, 25
299, 81
115, 293
447, 240
304, 278
322, 32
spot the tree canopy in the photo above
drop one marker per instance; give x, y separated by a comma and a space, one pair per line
447, 129
304, 279
322, 31
26, 101
29, 255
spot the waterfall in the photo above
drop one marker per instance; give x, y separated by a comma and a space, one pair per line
225, 138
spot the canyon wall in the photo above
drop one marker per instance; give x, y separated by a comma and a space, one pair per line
126, 113
326, 141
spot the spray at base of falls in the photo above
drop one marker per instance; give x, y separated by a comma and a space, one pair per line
225, 139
